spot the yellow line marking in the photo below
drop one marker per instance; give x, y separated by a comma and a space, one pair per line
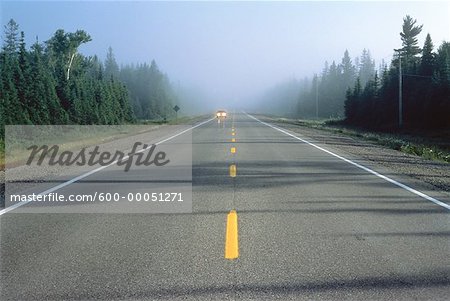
233, 170
233, 150
233, 139
231, 239
232, 134
232, 129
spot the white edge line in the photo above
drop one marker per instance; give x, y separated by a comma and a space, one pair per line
406, 187
57, 187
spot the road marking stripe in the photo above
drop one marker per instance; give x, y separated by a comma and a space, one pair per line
231, 237
233, 170
233, 139
233, 150
406, 187
233, 133
71, 181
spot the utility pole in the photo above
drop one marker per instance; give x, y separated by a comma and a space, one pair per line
400, 89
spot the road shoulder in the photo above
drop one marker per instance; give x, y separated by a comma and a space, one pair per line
435, 175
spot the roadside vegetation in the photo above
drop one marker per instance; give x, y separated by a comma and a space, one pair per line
366, 95
67, 138
433, 145
75, 138
175, 121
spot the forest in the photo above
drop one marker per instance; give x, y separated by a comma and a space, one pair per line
364, 94
52, 83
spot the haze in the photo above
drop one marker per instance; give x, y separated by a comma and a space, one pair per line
232, 50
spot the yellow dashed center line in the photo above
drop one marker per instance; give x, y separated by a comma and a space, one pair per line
233, 170
231, 239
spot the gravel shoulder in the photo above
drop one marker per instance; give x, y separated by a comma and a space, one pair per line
435, 174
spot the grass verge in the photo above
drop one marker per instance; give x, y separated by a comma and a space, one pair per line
179, 120
432, 145
67, 138
71, 139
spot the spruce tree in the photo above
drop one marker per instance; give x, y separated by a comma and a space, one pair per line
11, 38
111, 67
348, 71
366, 67
427, 60
24, 81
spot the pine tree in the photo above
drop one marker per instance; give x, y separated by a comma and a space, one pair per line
111, 67
427, 60
348, 71
366, 67
409, 35
23, 80
14, 111
11, 40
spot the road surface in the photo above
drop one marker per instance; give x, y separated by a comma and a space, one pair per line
310, 226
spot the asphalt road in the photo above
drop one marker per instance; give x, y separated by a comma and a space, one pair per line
310, 226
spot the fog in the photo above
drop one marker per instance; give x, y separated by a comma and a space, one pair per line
230, 53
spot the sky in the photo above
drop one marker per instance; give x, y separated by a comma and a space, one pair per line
232, 50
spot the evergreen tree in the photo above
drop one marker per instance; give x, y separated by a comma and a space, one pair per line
14, 110
409, 35
111, 67
427, 60
352, 103
11, 40
348, 71
366, 67
23, 80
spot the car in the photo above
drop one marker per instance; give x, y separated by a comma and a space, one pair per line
221, 114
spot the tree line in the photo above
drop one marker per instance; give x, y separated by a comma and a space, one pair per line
324, 96
424, 90
363, 94
52, 83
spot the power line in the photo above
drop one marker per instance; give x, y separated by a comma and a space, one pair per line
415, 75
